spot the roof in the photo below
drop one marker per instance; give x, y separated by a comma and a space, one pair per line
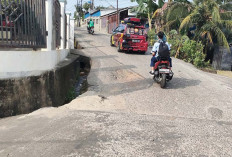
100, 12
115, 12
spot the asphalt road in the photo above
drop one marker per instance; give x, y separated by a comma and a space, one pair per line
125, 113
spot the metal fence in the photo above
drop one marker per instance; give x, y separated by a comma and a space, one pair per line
57, 22
22, 23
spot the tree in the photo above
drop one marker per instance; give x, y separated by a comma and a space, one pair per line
147, 7
209, 24
175, 13
100, 7
212, 23
86, 6
79, 12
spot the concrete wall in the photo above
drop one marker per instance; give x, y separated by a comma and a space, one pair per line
21, 62
222, 59
24, 95
104, 24
72, 33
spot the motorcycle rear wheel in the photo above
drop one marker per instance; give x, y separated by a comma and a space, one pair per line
163, 81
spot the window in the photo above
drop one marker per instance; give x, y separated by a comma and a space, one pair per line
117, 29
138, 31
121, 28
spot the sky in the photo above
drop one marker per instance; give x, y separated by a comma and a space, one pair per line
122, 3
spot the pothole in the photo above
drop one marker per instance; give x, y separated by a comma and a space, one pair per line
215, 113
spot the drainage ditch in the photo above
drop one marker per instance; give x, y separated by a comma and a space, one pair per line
81, 85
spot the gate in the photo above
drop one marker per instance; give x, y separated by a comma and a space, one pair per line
22, 23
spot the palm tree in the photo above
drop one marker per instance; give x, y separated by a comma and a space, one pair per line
206, 16
176, 12
147, 7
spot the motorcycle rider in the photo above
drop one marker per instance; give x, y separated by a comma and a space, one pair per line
90, 24
155, 55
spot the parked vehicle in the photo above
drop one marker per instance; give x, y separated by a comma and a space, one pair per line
91, 30
163, 72
130, 36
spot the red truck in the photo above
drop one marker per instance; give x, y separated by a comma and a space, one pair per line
130, 36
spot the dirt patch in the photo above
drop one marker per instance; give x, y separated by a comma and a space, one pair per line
225, 73
209, 70
125, 75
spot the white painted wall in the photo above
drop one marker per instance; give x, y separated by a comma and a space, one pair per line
68, 30
51, 38
72, 29
62, 9
26, 61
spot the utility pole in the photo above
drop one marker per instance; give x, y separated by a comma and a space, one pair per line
92, 4
117, 14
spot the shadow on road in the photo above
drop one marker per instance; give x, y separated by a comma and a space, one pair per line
110, 69
104, 57
89, 47
178, 83
83, 41
121, 88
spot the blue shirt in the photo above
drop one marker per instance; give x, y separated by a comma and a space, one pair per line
155, 48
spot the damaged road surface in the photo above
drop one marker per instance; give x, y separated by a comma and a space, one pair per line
125, 113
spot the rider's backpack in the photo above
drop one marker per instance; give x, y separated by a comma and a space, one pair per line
164, 50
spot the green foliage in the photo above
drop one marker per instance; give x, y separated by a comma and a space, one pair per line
86, 6
183, 1
100, 7
207, 18
192, 52
147, 7
176, 40
160, 3
151, 36
78, 13
70, 95
188, 50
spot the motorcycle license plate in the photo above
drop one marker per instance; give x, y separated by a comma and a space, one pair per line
135, 41
164, 71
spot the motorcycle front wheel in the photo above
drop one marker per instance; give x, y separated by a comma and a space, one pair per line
163, 81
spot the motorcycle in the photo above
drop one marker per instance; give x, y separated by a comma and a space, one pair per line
91, 30
163, 72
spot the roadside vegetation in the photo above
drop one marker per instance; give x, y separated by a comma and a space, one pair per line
194, 28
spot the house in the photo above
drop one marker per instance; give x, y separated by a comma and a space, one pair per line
109, 21
106, 19
95, 16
